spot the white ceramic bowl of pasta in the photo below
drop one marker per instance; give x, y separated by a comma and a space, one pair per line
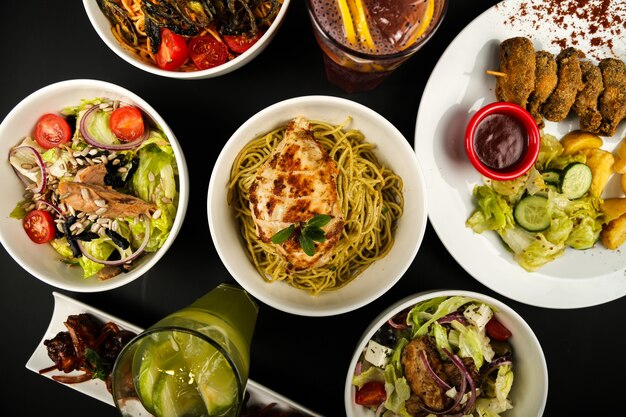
41, 260
392, 150
530, 384
103, 27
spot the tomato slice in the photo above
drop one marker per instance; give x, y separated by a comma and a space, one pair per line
497, 330
207, 52
39, 226
51, 131
371, 394
127, 123
173, 51
241, 43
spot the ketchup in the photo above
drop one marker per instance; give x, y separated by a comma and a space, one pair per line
500, 141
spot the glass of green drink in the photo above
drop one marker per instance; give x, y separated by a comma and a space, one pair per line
192, 363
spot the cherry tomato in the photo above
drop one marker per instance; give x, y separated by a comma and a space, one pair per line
51, 131
39, 226
371, 394
497, 331
241, 43
173, 51
127, 123
207, 52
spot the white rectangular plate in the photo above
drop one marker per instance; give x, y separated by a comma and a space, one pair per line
65, 306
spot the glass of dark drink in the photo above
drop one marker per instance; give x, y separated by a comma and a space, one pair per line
363, 41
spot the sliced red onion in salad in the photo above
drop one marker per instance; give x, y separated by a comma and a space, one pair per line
47, 204
461, 366
443, 384
85, 122
35, 172
127, 259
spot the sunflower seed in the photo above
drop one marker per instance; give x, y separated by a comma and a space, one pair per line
111, 156
156, 214
101, 232
64, 196
76, 154
71, 210
102, 221
100, 203
122, 169
30, 207
27, 166
150, 176
92, 217
62, 207
95, 228
81, 215
166, 200
116, 162
101, 210
84, 152
60, 227
85, 194
93, 152
115, 226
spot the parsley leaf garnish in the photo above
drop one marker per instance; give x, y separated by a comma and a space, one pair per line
310, 232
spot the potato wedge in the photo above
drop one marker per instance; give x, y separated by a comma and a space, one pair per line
614, 233
613, 207
619, 166
577, 140
601, 164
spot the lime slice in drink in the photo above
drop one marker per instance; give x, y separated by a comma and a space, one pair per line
175, 397
217, 385
150, 360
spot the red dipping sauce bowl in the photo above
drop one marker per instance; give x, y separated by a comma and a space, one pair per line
502, 141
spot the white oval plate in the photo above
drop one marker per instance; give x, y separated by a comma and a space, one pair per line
65, 306
457, 88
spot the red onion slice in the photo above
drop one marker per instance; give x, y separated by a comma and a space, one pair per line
29, 155
57, 210
380, 409
443, 384
122, 261
85, 121
459, 364
452, 317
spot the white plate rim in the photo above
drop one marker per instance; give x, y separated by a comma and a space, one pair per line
538, 288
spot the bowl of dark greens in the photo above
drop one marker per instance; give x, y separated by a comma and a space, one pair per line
187, 39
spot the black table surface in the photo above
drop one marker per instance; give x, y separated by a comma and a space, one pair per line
304, 358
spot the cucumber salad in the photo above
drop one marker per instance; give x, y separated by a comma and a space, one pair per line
447, 356
546, 210
100, 184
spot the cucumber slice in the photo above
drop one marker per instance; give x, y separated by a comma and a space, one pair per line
551, 176
576, 180
532, 213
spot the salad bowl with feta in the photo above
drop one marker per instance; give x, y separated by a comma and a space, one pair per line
447, 353
96, 185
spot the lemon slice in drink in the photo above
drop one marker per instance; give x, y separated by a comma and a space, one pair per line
217, 385
421, 29
175, 397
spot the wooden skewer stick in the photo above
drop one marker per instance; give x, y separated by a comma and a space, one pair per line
496, 73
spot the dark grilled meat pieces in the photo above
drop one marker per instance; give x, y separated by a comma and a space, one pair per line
517, 61
67, 349
560, 102
545, 81
612, 102
425, 392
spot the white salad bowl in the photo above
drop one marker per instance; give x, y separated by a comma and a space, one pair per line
392, 150
41, 260
529, 392
103, 27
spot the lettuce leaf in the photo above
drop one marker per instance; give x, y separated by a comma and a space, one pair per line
372, 373
398, 391
493, 212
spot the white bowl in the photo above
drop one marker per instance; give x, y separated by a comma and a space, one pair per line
393, 150
102, 25
41, 260
530, 385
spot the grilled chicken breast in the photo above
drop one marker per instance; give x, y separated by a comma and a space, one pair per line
296, 183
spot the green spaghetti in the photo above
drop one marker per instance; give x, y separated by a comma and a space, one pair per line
370, 196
